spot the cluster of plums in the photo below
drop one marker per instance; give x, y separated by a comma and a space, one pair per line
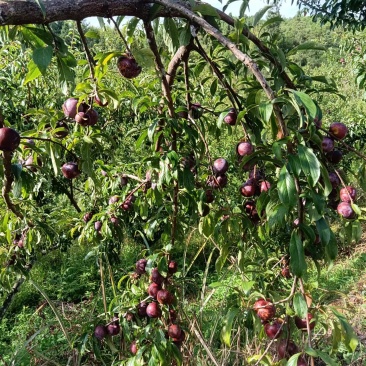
82, 113
347, 195
273, 328
159, 297
126, 205
337, 131
111, 329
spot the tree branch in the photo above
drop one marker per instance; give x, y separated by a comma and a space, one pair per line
18, 12
244, 58
10, 296
167, 94
266, 52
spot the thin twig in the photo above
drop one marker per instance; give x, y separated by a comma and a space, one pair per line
102, 285
121, 35
302, 289
89, 56
230, 92
53, 141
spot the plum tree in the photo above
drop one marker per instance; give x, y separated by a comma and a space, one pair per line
172, 192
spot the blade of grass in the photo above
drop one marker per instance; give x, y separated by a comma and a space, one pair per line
55, 311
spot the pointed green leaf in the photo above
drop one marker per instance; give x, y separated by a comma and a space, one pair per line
323, 230
331, 249
228, 325
309, 163
205, 9
311, 45
42, 57
297, 256
259, 14
350, 338
33, 72
300, 306
286, 188
303, 100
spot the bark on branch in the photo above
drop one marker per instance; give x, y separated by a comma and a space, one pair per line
17, 12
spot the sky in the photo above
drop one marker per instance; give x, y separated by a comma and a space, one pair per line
287, 10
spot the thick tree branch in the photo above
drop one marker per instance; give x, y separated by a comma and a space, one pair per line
17, 12
180, 56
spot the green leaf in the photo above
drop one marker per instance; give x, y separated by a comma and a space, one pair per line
325, 175
323, 230
151, 130
42, 57
228, 325
271, 21
65, 72
205, 9
350, 338
213, 88
259, 14
53, 160
295, 164
33, 72
265, 111
311, 45
144, 57
172, 30
293, 360
92, 34
303, 100
331, 249
276, 214
324, 356
309, 163
300, 306
297, 256
286, 188
185, 36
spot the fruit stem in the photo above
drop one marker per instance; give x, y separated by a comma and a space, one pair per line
121, 35
344, 185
